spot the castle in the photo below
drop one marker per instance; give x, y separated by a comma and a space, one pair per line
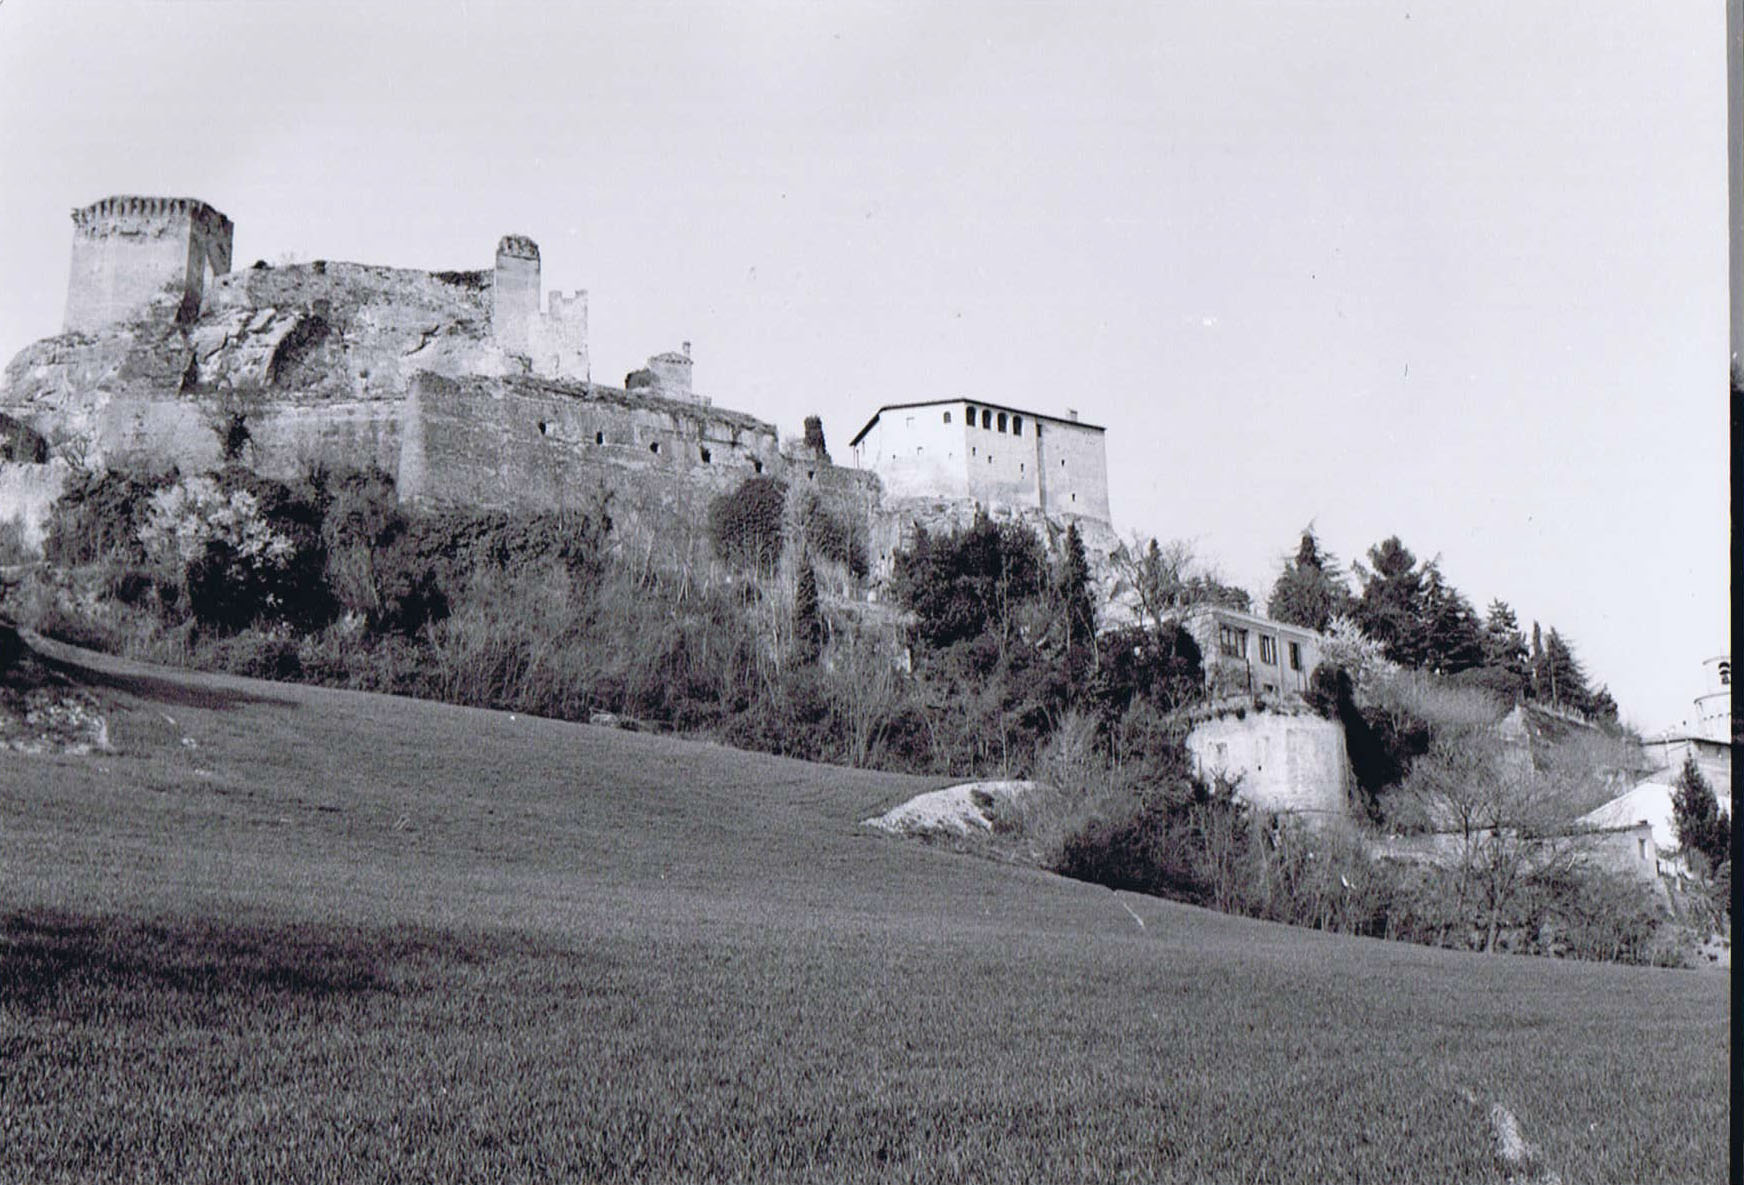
470, 388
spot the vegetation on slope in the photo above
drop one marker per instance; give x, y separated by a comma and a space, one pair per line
289, 933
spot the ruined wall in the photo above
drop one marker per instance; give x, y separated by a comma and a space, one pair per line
553, 343
1287, 763
524, 443
131, 254
27, 491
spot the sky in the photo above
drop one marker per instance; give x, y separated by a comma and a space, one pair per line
1451, 271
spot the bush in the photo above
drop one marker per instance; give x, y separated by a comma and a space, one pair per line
98, 517
747, 525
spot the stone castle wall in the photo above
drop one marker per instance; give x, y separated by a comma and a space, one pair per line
1294, 764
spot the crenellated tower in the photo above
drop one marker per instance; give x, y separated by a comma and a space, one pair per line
131, 254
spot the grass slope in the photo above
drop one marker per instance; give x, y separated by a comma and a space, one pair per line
287, 933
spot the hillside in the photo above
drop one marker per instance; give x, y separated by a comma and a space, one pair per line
282, 932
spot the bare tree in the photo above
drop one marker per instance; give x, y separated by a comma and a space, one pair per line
1511, 825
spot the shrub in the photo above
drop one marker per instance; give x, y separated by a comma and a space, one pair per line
98, 516
747, 525
835, 539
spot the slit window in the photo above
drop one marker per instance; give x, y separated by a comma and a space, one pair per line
599, 437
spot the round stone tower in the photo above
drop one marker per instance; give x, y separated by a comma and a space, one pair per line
515, 294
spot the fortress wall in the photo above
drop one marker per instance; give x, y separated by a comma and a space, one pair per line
1074, 465
508, 443
287, 439
1002, 466
1286, 763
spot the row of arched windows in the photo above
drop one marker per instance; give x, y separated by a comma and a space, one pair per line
995, 421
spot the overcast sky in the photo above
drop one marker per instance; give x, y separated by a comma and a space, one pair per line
1455, 271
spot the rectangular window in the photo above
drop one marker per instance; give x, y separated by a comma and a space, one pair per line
1231, 642
1002, 421
1295, 656
1268, 650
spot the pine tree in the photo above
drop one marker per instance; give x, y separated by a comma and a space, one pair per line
1563, 681
1076, 599
1390, 609
1696, 813
1504, 645
1452, 639
808, 618
1311, 588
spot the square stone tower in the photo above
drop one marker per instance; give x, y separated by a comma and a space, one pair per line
131, 254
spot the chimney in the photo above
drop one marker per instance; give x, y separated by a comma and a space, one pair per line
1072, 414
687, 349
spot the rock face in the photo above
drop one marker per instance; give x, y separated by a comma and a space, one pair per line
316, 358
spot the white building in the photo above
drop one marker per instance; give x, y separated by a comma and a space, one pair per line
990, 454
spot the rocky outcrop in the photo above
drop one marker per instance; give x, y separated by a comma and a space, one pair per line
296, 351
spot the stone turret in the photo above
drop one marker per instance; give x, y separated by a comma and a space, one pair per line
131, 254
671, 372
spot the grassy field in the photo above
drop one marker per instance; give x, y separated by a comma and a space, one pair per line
292, 934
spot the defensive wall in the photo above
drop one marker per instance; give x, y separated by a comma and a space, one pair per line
1283, 762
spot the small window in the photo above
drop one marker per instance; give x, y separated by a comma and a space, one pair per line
947, 417
971, 415
541, 427
705, 455
1643, 844
1074, 497
756, 465
918, 450
1020, 466
1295, 656
654, 448
908, 421
1268, 650
1002, 421
599, 437
973, 451
986, 418
1062, 462
1017, 425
